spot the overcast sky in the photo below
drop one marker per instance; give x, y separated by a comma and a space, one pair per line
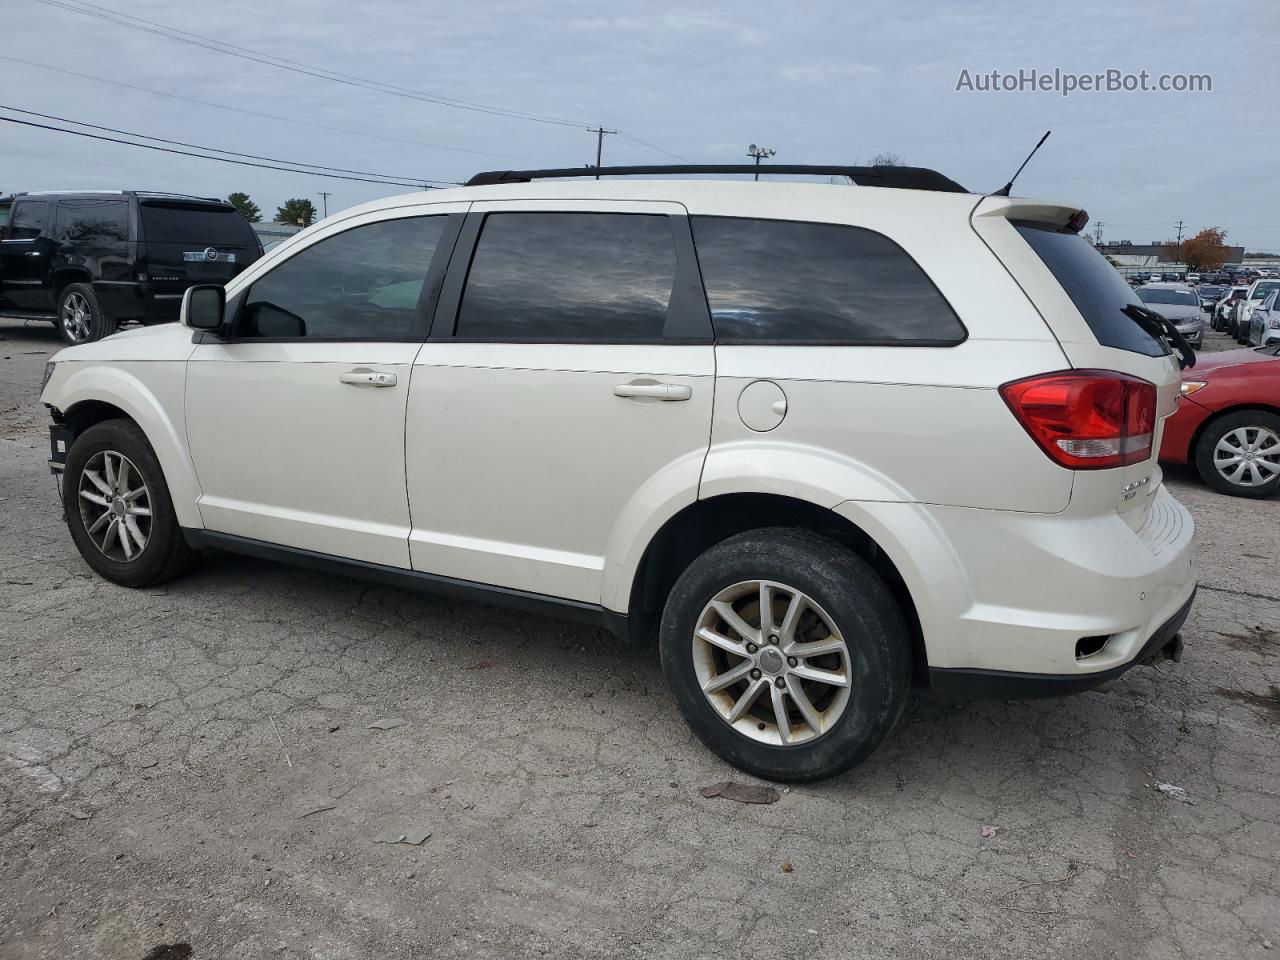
818, 81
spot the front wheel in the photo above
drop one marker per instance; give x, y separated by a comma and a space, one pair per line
118, 507
786, 653
1239, 454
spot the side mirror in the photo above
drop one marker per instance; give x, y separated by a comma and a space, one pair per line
203, 307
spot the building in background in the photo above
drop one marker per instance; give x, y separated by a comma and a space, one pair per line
269, 233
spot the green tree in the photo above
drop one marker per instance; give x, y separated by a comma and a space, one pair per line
297, 210
246, 206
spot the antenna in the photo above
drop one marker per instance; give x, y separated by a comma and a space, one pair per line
1004, 191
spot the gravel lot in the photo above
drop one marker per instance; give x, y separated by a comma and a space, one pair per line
195, 765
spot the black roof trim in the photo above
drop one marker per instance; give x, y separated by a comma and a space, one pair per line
903, 178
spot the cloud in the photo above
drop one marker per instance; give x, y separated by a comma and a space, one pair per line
826, 72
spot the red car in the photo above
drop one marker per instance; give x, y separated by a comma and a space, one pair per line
1228, 421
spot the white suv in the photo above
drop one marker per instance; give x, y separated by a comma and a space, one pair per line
828, 441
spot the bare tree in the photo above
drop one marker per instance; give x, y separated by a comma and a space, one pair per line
888, 159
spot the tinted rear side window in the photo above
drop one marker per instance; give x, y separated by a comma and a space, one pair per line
1094, 286
204, 224
569, 276
28, 219
92, 221
782, 281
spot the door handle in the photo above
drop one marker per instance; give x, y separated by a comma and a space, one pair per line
32, 253
368, 378
654, 391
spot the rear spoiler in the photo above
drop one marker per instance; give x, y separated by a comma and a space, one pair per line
1067, 219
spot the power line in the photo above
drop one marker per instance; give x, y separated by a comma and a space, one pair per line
280, 63
197, 146
202, 156
256, 113
652, 149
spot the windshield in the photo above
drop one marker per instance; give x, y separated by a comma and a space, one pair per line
204, 224
1182, 298
1262, 289
1094, 286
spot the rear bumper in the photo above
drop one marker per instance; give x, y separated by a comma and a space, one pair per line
960, 683
1068, 595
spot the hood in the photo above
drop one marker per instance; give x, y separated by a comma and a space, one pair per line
163, 341
1207, 363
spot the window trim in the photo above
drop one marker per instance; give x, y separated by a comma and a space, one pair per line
688, 320
843, 341
433, 281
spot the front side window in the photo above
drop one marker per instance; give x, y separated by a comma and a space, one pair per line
790, 282
92, 221
28, 219
362, 284
569, 276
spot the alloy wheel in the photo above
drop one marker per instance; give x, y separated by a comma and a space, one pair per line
772, 663
1248, 456
115, 506
76, 317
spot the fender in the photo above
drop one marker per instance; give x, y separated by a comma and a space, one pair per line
156, 406
793, 470
660, 498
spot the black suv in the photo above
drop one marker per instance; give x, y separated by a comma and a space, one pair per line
88, 261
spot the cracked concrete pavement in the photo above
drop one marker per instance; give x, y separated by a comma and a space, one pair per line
194, 764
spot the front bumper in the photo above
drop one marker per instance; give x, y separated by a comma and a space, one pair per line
961, 683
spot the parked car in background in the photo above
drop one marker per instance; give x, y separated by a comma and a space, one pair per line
1178, 303
89, 261
800, 569
1209, 295
1192, 279
1228, 422
1224, 312
1264, 324
1258, 291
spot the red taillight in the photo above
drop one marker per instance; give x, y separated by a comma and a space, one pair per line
1086, 419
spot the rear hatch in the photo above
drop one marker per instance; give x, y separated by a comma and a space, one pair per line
187, 242
1083, 299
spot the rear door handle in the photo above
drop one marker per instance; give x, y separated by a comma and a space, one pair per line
368, 378
655, 391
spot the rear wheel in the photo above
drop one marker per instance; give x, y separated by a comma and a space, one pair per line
1239, 454
118, 507
786, 653
80, 317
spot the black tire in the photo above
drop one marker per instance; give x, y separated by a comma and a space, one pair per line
165, 554
857, 602
80, 317
1247, 420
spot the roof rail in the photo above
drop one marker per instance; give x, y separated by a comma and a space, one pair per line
905, 178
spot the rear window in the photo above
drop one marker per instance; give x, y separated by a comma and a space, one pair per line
1181, 298
1262, 289
1094, 286
782, 281
203, 224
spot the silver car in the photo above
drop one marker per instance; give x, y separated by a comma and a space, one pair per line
1179, 303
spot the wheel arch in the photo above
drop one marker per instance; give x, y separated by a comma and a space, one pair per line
704, 523
93, 394
64, 277
1217, 415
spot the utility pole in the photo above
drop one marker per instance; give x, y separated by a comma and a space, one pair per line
759, 153
324, 198
1097, 233
600, 134
1179, 233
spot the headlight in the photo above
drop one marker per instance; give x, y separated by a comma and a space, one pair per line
1274, 322
48, 372
1192, 386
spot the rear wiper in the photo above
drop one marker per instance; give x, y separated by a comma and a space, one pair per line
1160, 327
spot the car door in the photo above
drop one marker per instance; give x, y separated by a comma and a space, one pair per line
564, 397
24, 257
295, 419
